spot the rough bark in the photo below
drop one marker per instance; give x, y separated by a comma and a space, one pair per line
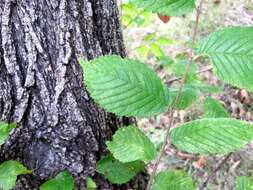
41, 86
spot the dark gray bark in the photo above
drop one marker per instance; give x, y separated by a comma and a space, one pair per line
41, 86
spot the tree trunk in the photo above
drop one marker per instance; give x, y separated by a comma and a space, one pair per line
41, 86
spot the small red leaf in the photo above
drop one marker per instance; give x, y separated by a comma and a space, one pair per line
164, 18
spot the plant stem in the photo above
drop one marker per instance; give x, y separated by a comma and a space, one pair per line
209, 177
172, 109
209, 68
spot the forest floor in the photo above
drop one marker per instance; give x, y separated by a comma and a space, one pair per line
239, 103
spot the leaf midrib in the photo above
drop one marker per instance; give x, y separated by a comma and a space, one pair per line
153, 93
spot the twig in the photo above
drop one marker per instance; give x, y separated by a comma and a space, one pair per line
172, 110
134, 19
209, 68
209, 177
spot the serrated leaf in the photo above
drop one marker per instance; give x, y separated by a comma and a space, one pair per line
125, 87
213, 108
167, 7
212, 135
63, 181
118, 172
187, 98
5, 129
243, 183
90, 184
173, 180
9, 171
131, 144
231, 51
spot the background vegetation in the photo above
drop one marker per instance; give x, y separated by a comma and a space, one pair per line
147, 38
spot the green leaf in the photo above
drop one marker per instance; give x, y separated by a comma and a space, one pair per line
150, 37
231, 51
206, 88
179, 69
125, 87
143, 51
173, 180
165, 61
9, 171
130, 144
118, 172
167, 7
128, 8
212, 135
156, 50
164, 41
63, 181
188, 97
90, 184
132, 15
213, 108
243, 183
125, 19
5, 129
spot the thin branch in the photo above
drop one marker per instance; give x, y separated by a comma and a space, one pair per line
134, 19
209, 68
219, 166
172, 110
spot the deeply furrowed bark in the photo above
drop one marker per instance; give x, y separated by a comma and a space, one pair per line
41, 86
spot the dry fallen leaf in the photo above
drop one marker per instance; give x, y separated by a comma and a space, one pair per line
200, 163
244, 97
164, 18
